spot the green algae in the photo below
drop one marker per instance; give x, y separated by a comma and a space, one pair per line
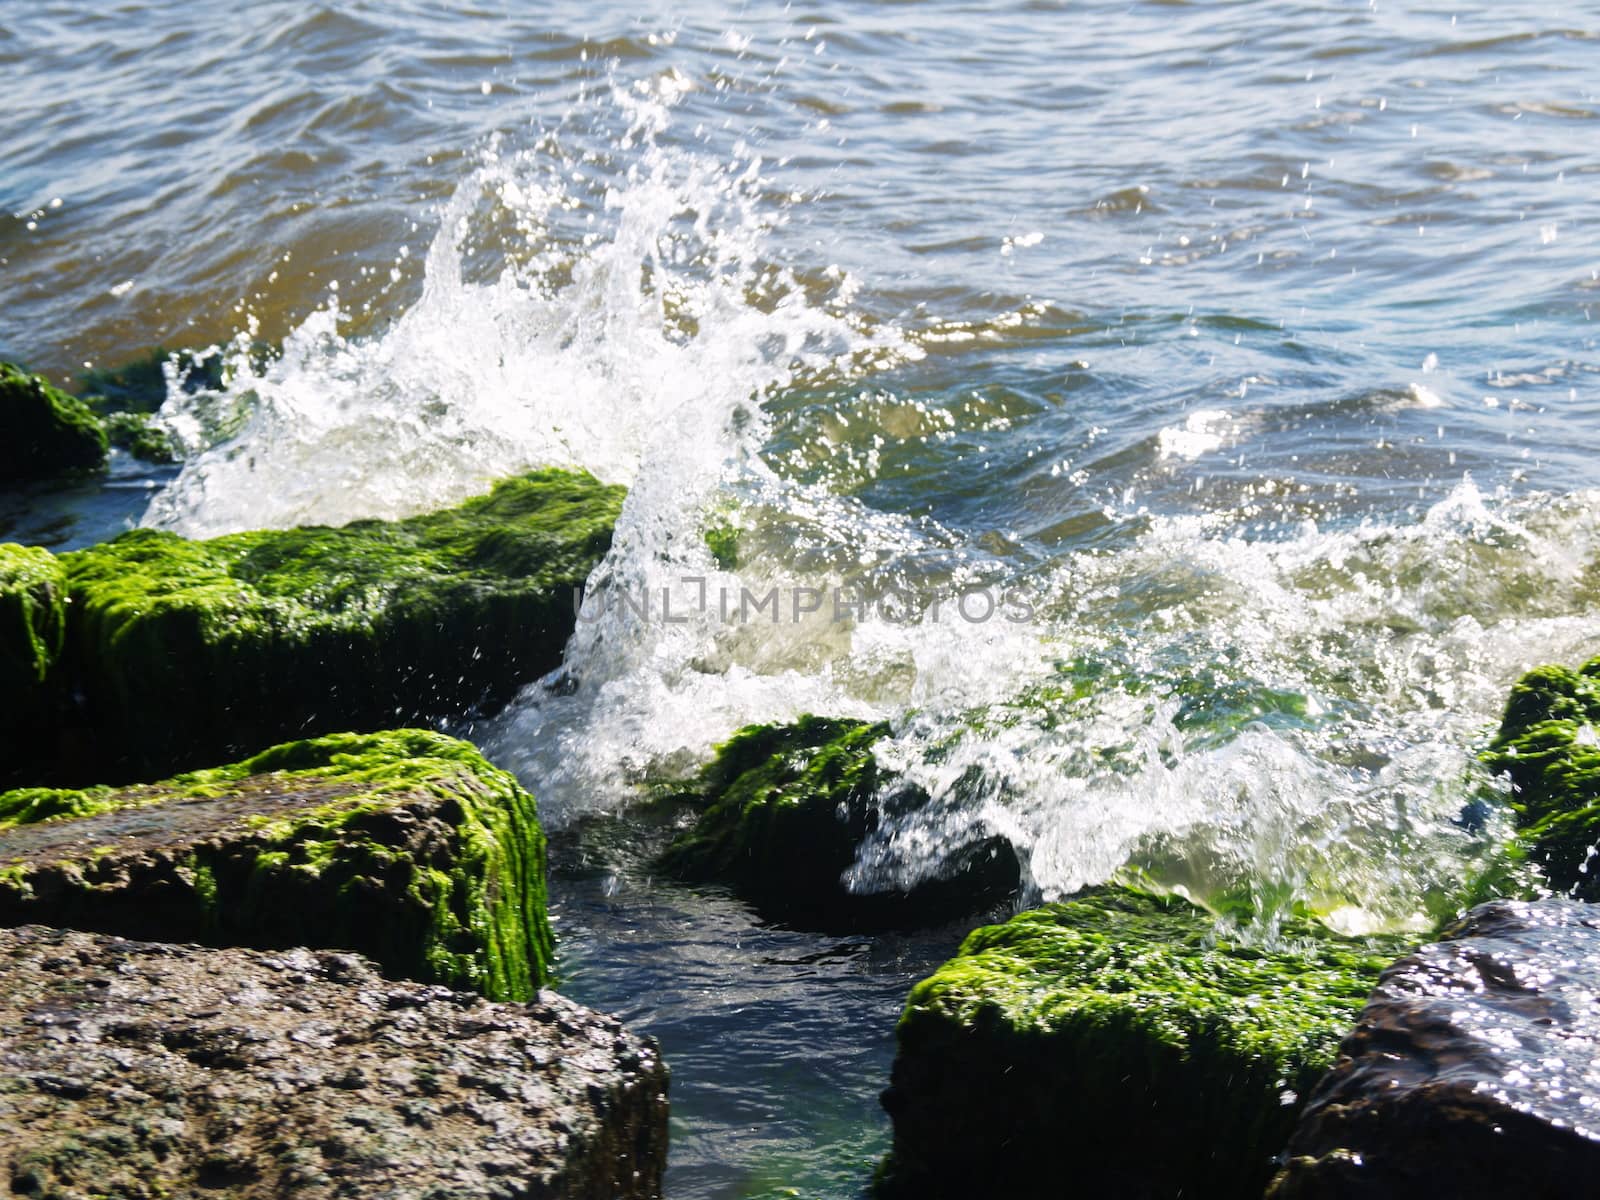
770, 827
33, 607
189, 650
767, 776
722, 539
140, 385
784, 809
47, 432
33, 623
136, 433
1082, 960
30, 806
1548, 746
424, 857
1121, 1035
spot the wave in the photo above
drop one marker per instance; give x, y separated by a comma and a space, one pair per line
1259, 721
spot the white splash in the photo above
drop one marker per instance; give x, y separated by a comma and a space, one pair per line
632, 317
1200, 433
1298, 723
1424, 397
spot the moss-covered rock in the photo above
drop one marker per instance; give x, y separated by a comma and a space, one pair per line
43, 431
140, 385
189, 652
141, 437
33, 620
126, 397
1117, 1044
784, 809
1549, 746
405, 846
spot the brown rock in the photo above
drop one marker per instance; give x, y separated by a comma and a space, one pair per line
145, 1070
1473, 1072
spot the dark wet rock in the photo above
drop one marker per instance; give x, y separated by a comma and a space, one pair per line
406, 846
43, 431
192, 652
33, 623
1474, 1070
148, 1071
1549, 746
784, 809
1116, 1044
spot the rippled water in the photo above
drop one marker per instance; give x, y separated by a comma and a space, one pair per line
1252, 343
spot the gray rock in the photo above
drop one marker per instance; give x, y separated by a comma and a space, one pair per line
145, 1070
1474, 1070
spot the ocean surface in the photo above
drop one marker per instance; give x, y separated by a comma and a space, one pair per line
1178, 420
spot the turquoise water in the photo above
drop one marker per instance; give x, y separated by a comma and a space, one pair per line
1253, 342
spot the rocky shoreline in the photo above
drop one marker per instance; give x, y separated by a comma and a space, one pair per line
231, 877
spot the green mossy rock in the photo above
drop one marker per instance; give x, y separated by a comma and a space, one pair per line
33, 621
405, 846
785, 808
137, 434
47, 432
140, 385
33, 618
189, 652
126, 397
1117, 1044
1549, 746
